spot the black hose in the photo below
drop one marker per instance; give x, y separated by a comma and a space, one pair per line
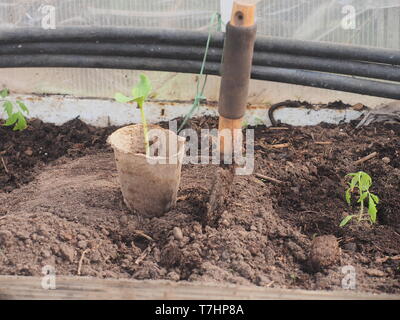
114, 34
328, 81
196, 38
347, 67
105, 62
113, 49
328, 50
293, 76
356, 68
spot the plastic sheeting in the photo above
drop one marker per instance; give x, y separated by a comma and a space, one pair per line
377, 23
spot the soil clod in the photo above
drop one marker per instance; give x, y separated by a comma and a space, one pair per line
324, 252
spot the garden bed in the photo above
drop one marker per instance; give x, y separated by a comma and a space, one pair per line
61, 206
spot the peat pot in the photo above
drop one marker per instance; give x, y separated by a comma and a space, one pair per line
149, 184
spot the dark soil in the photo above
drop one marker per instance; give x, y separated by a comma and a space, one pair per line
62, 202
41, 143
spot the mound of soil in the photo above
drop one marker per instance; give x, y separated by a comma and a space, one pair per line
72, 216
22, 151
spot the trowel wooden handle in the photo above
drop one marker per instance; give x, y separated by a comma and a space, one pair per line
235, 73
243, 15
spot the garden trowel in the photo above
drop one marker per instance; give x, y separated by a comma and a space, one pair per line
235, 78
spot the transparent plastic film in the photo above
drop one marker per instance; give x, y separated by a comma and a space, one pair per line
365, 22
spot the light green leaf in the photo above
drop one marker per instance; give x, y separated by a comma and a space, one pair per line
362, 197
374, 197
351, 174
12, 119
8, 108
348, 196
365, 181
142, 89
140, 101
21, 124
18, 120
122, 98
353, 183
372, 209
346, 220
23, 106
4, 93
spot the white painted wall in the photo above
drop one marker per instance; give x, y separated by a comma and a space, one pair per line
104, 112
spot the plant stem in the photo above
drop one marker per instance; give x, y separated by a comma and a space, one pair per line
361, 209
145, 133
362, 202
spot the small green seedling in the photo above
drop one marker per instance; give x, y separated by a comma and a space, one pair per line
362, 182
15, 113
139, 95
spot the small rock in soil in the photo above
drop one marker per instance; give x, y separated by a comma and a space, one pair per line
5, 238
29, 151
386, 160
178, 235
23, 235
36, 123
262, 280
173, 276
95, 256
66, 236
123, 220
67, 252
82, 244
351, 246
296, 251
171, 255
225, 223
46, 253
324, 252
375, 273
243, 269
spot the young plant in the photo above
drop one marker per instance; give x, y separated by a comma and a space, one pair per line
361, 182
15, 113
139, 95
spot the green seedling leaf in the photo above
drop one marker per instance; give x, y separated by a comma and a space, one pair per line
346, 220
122, 98
21, 122
348, 196
365, 181
11, 120
139, 94
362, 197
23, 106
353, 183
361, 181
8, 108
4, 93
372, 209
142, 90
351, 174
375, 198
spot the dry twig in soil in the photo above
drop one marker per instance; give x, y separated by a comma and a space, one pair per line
366, 158
261, 176
4, 165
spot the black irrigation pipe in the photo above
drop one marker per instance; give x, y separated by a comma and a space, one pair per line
113, 49
355, 68
115, 34
293, 76
195, 38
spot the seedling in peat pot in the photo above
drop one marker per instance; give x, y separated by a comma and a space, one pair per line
361, 182
15, 113
139, 95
